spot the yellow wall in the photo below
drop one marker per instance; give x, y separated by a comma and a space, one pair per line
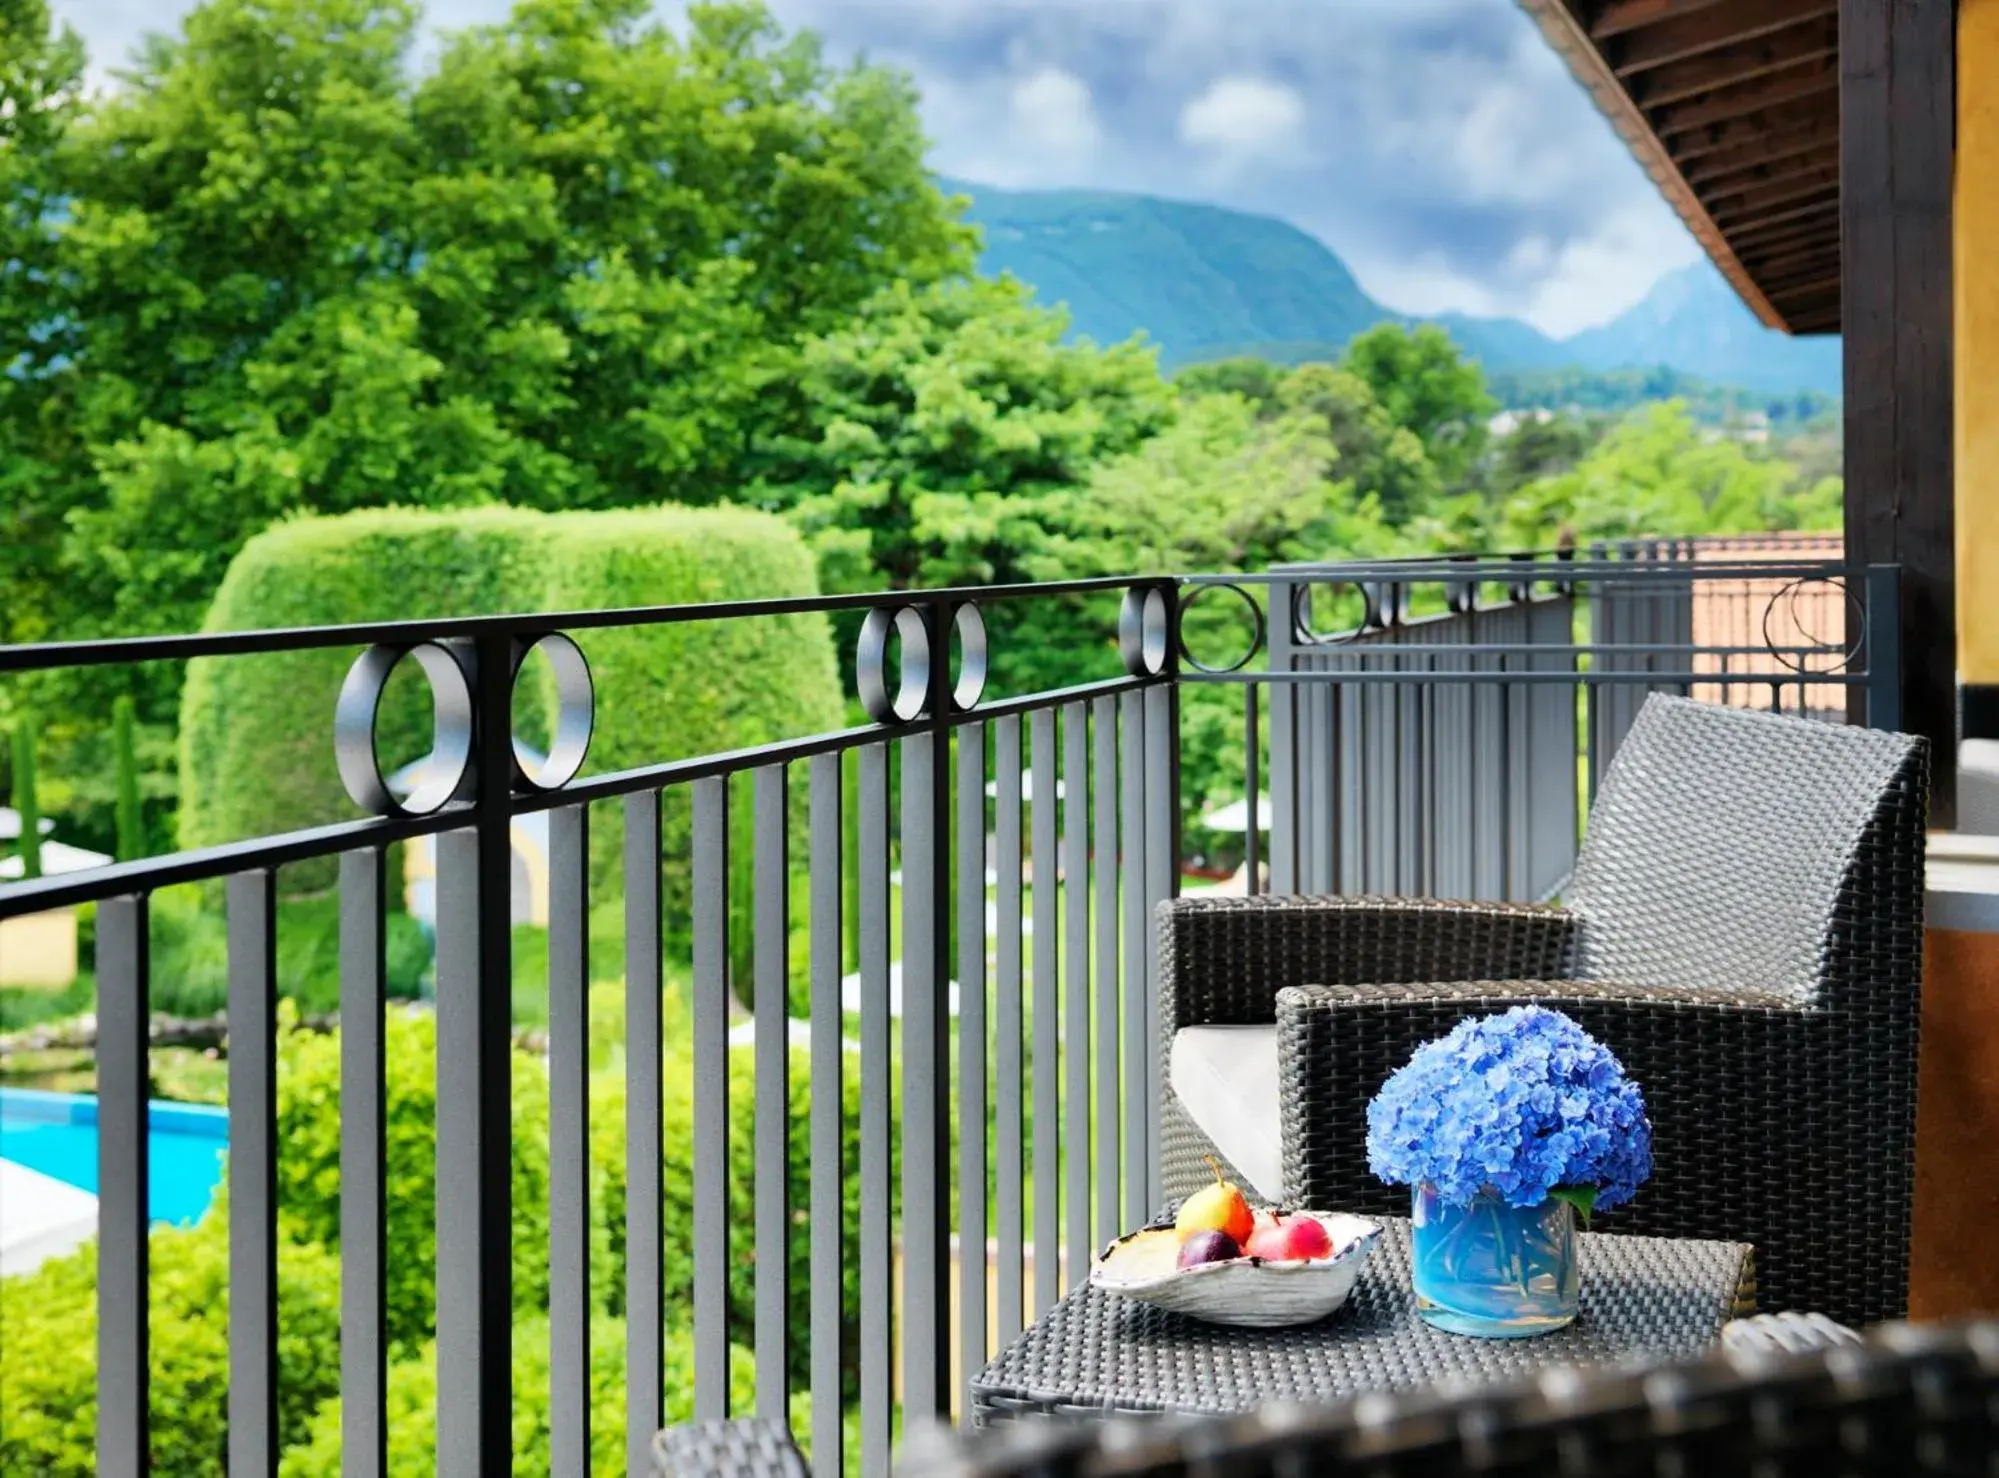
1977, 285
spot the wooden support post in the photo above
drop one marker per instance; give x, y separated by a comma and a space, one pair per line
1897, 65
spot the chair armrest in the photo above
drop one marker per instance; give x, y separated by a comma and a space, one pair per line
1704, 1061
727, 1449
1222, 961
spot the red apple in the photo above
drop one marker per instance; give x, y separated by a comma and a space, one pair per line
1296, 1238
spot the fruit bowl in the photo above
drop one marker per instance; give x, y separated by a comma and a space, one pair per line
1252, 1292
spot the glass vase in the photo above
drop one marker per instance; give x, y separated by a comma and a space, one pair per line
1493, 1270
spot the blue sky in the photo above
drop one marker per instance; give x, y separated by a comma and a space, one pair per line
1439, 146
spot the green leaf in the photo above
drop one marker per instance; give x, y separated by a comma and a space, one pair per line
1582, 1197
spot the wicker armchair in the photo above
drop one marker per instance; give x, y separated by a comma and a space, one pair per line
1909, 1400
1744, 928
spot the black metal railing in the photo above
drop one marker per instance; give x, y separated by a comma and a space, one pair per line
1422, 726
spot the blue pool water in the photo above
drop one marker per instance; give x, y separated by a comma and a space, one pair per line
56, 1133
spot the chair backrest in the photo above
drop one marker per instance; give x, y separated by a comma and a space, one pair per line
1723, 843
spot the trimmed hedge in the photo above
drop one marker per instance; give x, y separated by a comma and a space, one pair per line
257, 732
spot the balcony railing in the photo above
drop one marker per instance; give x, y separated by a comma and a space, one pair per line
1426, 726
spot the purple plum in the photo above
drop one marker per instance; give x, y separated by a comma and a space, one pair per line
1207, 1247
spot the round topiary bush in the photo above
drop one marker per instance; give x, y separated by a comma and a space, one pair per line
257, 731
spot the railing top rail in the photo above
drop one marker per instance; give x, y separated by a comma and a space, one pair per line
42, 656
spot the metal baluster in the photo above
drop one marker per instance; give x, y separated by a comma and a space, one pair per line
1104, 742
971, 1052
828, 1113
1076, 1023
364, 1252
773, 1090
122, 967
711, 1098
569, 1299
877, 1349
1008, 1028
1047, 1024
253, 1172
1252, 835
645, 1376
1137, 1045
1162, 850
926, 977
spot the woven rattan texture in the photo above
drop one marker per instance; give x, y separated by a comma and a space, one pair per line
1642, 1299
1910, 1400
1223, 961
1719, 843
1783, 1121
727, 1449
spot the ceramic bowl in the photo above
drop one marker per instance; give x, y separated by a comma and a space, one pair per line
1253, 1293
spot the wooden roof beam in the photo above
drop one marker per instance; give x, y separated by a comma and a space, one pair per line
1804, 143
1788, 261
1808, 80
1802, 287
1768, 240
1732, 65
1614, 17
1827, 197
1813, 113
1758, 175
1734, 206
1705, 30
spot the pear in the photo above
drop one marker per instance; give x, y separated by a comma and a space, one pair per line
1220, 1207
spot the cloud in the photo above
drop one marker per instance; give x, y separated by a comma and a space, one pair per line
1439, 146
1244, 118
1052, 112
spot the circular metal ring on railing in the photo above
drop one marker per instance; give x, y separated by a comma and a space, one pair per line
1142, 631
575, 714
1839, 658
1257, 633
1302, 631
970, 625
355, 713
912, 690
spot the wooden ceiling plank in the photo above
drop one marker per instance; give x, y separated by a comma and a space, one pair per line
1763, 177
1795, 236
1792, 289
1614, 17
1827, 199
1813, 143
1814, 113
1725, 208
1705, 30
1788, 262
1737, 64
1751, 97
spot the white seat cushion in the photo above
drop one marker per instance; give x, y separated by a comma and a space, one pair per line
1226, 1079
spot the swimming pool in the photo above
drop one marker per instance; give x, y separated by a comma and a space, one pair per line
56, 1133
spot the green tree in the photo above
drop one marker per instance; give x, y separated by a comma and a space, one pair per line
1428, 386
1655, 472
934, 421
1372, 450
565, 267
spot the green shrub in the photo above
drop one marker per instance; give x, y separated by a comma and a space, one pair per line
412, 1409
257, 732
48, 1333
309, 1163
189, 929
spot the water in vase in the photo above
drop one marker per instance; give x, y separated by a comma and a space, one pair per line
1493, 1270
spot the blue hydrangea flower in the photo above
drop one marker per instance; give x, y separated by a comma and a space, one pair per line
1522, 1103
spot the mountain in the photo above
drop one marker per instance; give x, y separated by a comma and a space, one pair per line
1205, 283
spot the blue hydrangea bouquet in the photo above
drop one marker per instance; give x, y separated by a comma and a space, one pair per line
1505, 1130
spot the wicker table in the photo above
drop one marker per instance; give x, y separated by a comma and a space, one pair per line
1643, 1299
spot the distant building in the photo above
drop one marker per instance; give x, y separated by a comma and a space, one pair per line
530, 864
1508, 422
39, 949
